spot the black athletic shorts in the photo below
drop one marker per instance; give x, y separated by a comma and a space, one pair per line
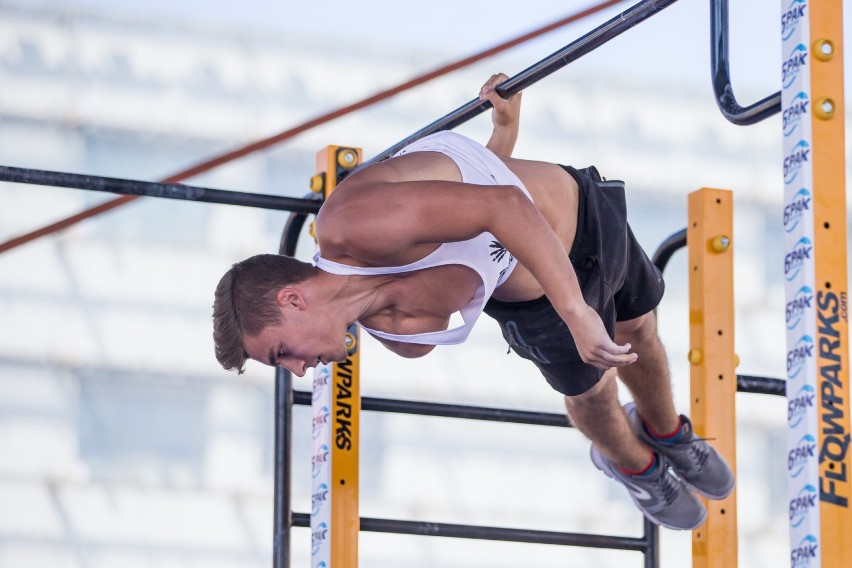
616, 277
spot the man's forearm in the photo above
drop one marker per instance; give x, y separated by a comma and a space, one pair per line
503, 139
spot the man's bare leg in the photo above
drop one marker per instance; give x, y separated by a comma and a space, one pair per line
619, 453
648, 379
599, 416
649, 382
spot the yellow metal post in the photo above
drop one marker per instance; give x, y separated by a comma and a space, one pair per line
343, 406
830, 262
713, 362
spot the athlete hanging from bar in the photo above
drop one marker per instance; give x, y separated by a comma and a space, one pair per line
448, 225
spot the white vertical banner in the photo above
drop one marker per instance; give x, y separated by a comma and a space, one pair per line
321, 468
799, 276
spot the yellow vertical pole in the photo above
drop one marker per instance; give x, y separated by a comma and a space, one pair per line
713, 377
830, 265
344, 408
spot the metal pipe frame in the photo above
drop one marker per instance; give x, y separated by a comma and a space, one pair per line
721, 76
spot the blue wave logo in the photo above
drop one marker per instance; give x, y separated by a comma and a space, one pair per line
798, 457
799, 405
794, 161
791, 17
795, 259
795, 210
796, 307
804, 552
318, 498
318, 535
318, 460
802, 504
319, 421
798, 355
794, 63
793, 114
321, 376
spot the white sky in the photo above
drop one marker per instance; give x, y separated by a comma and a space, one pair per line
673, 44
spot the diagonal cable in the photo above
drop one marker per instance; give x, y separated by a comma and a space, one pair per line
290, 133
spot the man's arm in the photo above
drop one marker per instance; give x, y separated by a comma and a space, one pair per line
380, 223
505, 116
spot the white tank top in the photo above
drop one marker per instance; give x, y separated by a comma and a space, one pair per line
483, 254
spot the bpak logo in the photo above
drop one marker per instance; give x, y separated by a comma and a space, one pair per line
321, 376
320, 421
793, 162
318, 536
318, 460
798, 457
795, 210
796, 357
805, 551
794, 63
797, 306
802, 504
799, 405
795, 259
319, 497
790, 18
793, 114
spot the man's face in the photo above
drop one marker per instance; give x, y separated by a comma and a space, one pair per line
302, 341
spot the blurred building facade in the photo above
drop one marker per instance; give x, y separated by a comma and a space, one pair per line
121, 441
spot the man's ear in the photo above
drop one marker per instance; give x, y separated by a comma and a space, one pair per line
289, 297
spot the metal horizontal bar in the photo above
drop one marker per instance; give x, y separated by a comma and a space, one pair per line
421, 528
745, 383
451, 410
597, 37
761, 385
156, 189
721, 75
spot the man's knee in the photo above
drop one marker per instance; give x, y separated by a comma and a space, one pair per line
605, 390
637, 330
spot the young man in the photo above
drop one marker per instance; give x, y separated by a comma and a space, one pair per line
448, 225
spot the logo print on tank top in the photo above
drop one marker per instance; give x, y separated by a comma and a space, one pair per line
498, 252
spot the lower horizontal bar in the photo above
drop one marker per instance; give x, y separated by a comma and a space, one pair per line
421, 528
156, 189
451, 410
745, 383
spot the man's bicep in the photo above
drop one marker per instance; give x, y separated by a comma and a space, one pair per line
386, 219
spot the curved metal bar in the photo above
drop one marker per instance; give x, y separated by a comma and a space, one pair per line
293, 228
667, 248
571, 52
721, 75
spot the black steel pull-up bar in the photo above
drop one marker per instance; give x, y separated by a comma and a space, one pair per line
722, 88
597, 37
156, 189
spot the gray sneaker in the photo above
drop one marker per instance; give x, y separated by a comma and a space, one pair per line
661, 497
695, 461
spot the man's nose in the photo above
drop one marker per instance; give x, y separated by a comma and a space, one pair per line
296, 367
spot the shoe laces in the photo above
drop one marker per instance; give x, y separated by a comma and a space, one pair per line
699, 451
667, 487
